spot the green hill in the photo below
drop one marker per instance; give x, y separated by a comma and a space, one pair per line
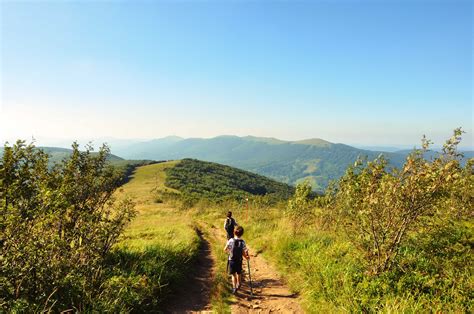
214, 181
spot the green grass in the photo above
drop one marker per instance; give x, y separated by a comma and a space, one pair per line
321, 265
220, 292
210, 217
157, 249
330, 274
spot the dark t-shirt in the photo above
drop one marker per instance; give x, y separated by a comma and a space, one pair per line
229, 227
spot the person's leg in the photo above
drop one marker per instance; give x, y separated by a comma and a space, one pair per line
239, 273
238, 280
234, 282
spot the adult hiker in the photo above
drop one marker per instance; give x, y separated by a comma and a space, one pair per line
229, 225
236, 249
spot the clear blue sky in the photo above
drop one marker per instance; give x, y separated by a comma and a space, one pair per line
366, 72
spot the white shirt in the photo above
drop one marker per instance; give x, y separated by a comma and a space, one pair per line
230, 246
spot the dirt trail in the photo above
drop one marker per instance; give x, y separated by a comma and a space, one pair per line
270, 293
194, 296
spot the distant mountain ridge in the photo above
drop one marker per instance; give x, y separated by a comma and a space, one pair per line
57, 154
315, 160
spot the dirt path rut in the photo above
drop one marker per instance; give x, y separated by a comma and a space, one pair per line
194, 296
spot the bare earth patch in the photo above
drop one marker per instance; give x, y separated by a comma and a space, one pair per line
270, 294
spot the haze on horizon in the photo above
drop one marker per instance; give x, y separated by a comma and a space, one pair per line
367, 72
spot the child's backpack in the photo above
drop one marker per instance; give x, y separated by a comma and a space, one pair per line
229, 226
237, 250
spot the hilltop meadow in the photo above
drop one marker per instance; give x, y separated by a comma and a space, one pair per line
87, 235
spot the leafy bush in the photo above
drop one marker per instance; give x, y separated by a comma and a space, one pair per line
422, 218
57, 227
300, 207
378, 206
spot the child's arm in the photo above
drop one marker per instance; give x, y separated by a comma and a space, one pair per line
226, 248
246, 252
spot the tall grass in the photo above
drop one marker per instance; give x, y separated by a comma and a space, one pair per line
156, 251
208, 218
330, 273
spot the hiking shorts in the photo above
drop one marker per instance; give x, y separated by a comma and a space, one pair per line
235, 267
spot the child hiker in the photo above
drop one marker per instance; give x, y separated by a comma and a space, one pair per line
229, 225
236, 249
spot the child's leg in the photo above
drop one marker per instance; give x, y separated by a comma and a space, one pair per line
237, 281
234, 280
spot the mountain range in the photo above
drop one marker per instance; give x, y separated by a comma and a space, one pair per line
315, 160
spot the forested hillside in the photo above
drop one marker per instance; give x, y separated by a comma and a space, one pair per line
202, 179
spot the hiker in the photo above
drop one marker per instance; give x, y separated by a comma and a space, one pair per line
236, 249
229, 225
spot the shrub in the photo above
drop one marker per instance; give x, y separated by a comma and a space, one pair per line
57, 226
378, 206
300, 208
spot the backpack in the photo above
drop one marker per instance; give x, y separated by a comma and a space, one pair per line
237, 250
229, 226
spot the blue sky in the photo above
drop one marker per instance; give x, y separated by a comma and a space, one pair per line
357, 72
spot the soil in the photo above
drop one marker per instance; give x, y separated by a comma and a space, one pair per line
270, 294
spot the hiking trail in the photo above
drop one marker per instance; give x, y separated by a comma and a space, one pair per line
270, 293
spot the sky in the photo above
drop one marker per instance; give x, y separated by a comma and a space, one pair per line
356, 72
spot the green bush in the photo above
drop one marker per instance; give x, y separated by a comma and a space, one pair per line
300, 207
333, 261
377, 206
57, 227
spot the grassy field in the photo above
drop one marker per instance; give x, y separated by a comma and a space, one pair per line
329, 272
158, 246
156, 223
